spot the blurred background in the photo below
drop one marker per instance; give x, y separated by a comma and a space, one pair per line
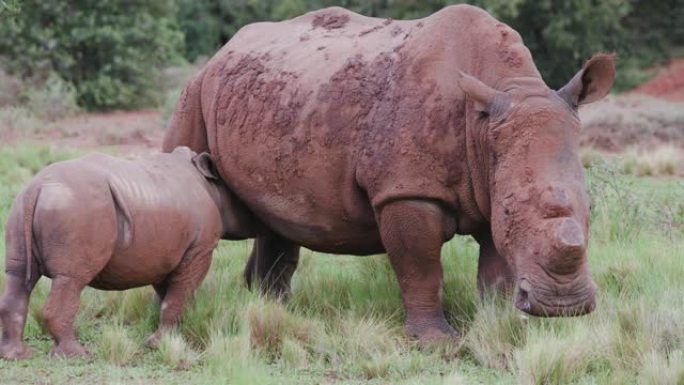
65, 64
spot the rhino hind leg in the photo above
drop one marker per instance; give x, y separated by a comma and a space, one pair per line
272, 263
60, 311
412, 233
13, 313
494, 274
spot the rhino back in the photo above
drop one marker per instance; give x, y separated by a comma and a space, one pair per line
130, 220
159, 190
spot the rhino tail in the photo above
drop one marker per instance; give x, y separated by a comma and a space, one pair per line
124, 219
30, 201
187, 126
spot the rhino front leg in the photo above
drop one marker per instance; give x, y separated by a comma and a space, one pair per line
412, 233
178, 288
494, 274
272, 263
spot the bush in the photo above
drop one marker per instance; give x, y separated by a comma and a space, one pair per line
563, 34
111, 51
51, 99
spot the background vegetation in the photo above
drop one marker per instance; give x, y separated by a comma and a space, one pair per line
112, 51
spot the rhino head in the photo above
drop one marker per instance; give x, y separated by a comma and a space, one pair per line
525, 141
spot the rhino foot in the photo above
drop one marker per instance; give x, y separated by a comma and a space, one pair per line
70, 350
154, 340
15, 351
431, 331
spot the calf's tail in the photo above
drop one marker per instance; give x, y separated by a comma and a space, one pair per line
30, 201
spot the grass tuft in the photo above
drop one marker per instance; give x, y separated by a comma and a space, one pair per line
661, 369
175, 352
664, 160
495, 332
294, 355
549, 358
115, 345
270, 325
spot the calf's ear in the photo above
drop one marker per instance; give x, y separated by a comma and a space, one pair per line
592, 82
205, 164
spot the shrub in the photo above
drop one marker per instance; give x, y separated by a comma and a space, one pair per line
111, 52
51, 99
10, 89
17, 120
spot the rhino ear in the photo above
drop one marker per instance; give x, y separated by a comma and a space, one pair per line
205, 165
486, 99
592, 82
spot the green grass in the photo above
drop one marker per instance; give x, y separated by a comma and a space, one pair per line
343, 324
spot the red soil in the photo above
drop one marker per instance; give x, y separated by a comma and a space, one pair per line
669, 84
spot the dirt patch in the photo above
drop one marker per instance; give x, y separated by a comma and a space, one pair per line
126, 132
668, 84
330, 20
627, 121
644, 123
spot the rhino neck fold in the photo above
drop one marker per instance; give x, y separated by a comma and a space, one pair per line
478, 159
481, 161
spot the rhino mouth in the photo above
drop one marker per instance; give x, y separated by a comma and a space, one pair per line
541, 302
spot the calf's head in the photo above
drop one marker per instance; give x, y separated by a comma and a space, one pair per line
527, 141
205, 165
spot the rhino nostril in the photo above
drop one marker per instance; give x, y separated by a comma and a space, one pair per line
525, 286
522, 301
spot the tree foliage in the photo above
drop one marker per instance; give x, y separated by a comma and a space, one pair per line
563, 34
110, 50
560, 33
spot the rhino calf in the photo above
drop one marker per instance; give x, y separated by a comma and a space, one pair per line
113, 224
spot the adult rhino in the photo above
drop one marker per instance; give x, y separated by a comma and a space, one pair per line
356, 135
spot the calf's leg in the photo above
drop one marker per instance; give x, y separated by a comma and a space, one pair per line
177, 290
13, 312
412, 233
59, 313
